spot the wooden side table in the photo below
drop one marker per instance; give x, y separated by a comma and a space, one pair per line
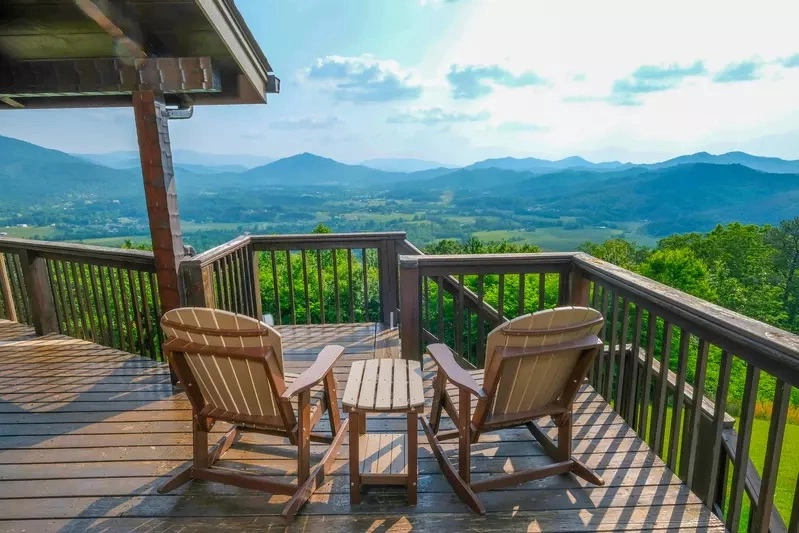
383, 386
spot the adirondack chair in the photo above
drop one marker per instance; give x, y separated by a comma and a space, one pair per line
535, 365
232, 370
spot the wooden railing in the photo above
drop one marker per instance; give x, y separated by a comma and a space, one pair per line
458, 299
299, 279
706, 346
105, 295
667, 367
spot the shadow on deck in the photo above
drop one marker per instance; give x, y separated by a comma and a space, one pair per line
87, 433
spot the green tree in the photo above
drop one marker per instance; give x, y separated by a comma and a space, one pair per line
617, 251
681, 269
784, 239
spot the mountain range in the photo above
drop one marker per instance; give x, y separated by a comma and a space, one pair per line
690, 191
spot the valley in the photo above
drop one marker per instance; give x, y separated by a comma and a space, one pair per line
556, 205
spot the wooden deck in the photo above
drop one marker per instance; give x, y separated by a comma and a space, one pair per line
87, 433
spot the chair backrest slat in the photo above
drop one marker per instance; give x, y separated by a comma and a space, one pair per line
231, 382
525, 383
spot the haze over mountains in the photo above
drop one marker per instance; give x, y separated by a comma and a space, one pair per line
686, 193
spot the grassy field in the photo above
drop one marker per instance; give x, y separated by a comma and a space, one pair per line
27, 233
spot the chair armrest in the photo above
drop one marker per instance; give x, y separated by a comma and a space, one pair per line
445, 360
316, 372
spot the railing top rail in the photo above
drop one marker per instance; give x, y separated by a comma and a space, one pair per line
767, 347
488, 263
324, 240
100, 255
209, 256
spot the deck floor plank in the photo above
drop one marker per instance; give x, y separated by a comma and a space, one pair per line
87, 433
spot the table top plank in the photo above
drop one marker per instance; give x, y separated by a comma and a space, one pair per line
353, 388
366, 400
400, 399
415, 384
385, 382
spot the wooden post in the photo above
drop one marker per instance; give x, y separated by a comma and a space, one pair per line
256, 282
197, 285
579, 290
40, 293
159, 190
410, 303
5, 290
389, 275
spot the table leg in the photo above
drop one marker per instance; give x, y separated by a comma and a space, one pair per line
413, 449
355, 456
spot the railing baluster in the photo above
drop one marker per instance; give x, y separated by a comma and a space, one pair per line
127, 310
5, 289
275, 286
501, 296
230, 280
425, 304
679, 397
609, 373
321, 282
793, 527
720, 405
245, 282
219, 285
481, 349
335, 287
520, 302
69, 326
691, 436
78, 299
469, 351
621, 388
776, 437
632, 404
440, 306
101, 325
113, 274
646, 385
87, 298
109, 317
23, 301
306, 292
542, 291
158, 314
148, 320
365, 272
351, 288
459, 318
657, 433
741, 464
291, 288
136, 311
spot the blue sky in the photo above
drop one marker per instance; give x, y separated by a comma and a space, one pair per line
460, 80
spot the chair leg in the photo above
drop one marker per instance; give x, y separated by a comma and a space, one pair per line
465, 438
316, 477
461, 488
199, 460
564, 450
439, 391
331, 401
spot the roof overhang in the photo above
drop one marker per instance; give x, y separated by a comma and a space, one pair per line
95, 53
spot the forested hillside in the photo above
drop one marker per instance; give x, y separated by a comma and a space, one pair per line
553, 204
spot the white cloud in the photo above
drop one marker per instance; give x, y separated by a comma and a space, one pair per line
364, 78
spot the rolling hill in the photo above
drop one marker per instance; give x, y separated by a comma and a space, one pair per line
692, 192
